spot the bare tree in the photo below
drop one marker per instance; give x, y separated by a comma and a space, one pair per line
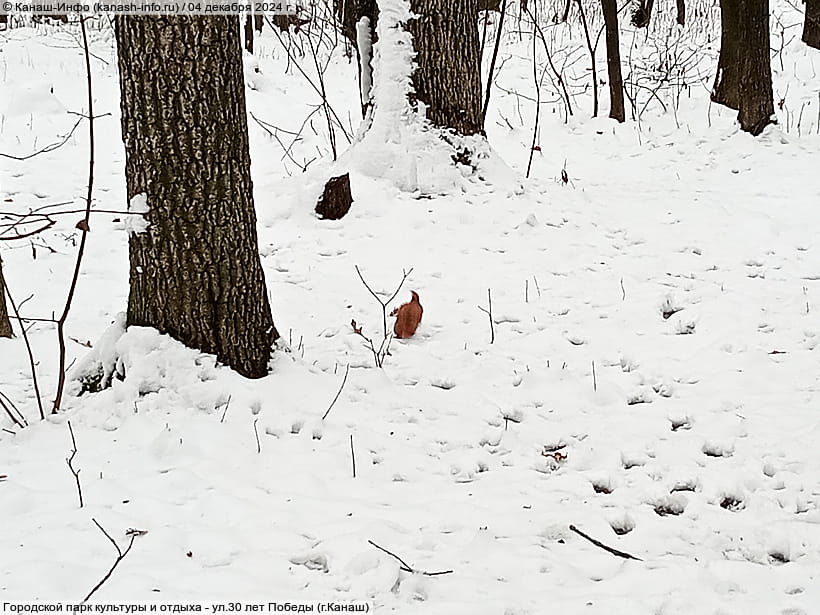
744, 77
195, 271
811, 24
613, 59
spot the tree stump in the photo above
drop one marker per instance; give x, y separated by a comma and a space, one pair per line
336, 198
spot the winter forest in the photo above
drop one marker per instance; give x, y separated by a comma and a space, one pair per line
486, 307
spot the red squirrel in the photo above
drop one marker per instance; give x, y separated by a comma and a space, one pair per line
408, 317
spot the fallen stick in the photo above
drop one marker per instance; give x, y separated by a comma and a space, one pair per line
406, 567
598, 543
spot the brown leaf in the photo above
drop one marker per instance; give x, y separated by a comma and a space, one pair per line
83, 226
355, 328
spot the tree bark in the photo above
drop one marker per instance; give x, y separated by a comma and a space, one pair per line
613, 60
744, 78
811, 24
726, 90
195, 273
5, 323
249, 23
448, 78
756, 97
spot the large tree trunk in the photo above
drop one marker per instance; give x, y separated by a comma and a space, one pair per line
195, 272
613, 60
726, 90
744, 79
5, 323
756, 97
448, 77
811, 25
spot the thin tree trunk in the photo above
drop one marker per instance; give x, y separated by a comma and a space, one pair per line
613, 60
811, 25
5, 323
448, 77
195, 271
591, 50
249, 34
681, 5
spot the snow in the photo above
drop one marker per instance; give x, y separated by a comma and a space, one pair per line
679, 262
135, 221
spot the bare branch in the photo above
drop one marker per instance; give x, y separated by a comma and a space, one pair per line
598, 543
70, 460
405, 566
347, 369
120, 554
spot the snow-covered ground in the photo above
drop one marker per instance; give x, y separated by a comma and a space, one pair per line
654, 379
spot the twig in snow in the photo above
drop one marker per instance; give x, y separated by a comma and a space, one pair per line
24, 332
594, 378
120, 556
8, 406
384, 304
623, 291
256, 433
406, 567
353, 455
489, 313
70, 461
384, 347
347, 369
227, 405
598, 543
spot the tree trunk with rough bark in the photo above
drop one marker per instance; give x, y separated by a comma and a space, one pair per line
744, 79
613, 60
726, 90
756, 96
195, 272
811, 24
5, 323
448, 78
